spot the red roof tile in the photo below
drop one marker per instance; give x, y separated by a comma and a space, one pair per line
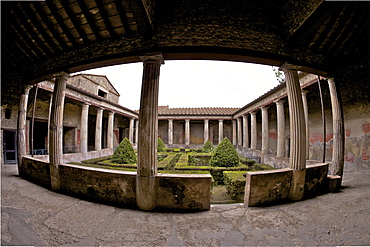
165, 110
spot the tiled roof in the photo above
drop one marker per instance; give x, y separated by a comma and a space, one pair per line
165, 110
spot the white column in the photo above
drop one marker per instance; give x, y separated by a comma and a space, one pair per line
280, 128
337, 163
220, 130
56, 129
245, 131
206, 130
84, 127
239, 127
148, 133
297, 132
110, 130
233, 122
170, 131
305, 109
253, 130
21, 128
187, 131
265, 130
137, 132
98, 128
131, 130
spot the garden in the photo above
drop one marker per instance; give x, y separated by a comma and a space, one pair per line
227, 168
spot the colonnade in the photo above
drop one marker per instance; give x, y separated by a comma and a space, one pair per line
148, 130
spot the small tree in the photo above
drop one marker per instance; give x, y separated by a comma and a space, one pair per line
208, 147
124, 153
225, 155
161, 147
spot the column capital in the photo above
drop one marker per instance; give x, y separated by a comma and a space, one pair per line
220, 120
264, 108
304, 92
27, 89
330, 79
85, 104
61, 74
279, 101
245, 116
287, 67
111, 113
253, 113
153, 57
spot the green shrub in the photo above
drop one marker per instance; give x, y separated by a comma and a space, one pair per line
161, 147
235, 184
225, 155
208, 147
125, 153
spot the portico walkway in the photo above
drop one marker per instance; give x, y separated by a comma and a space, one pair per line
33, 215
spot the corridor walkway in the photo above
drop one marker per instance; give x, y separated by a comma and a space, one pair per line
32, 215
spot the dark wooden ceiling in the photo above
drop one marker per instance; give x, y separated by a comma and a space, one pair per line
40, 38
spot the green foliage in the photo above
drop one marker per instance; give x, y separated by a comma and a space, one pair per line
235, 184
96, 160
125, 153
208, 147
161, 147
225, 155
280, 77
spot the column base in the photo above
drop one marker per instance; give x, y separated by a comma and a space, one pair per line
145, 193
54, 177
297, 185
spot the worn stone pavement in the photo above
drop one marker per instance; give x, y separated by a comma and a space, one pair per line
32, 215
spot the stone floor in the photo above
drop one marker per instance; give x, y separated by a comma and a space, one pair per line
32, 215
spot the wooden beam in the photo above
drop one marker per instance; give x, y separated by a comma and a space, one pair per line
90, 20
106, 20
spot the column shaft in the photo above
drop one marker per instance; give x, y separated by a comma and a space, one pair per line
131, 130
233, 122
253, 130
137, 132
98, 129
170, 131
56, 129
148, 133
187, 131
239, 129
297, 132
265, 130
206, 130
337, 164
84, 127
110, 130
245, 131
220, 131
21, 128
305, 109
280, 128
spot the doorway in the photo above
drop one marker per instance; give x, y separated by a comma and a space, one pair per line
10, 146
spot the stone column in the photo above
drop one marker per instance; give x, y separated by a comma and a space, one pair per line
21, 128
233, 122
253, 130
131, 130
84, 127
137, 132
265, 130
297, 132
187, 131
245, 131
110, 130
148, 133
206, 130
49, 116
305, 109
336, 167
98, 128
239, 127
56, 128
170, 131
280, 128
220, 130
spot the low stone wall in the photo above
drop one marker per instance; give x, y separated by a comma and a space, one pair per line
189, 192
37, 171
272, 187
78, 157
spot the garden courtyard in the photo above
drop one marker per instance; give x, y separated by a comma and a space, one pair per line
227, 168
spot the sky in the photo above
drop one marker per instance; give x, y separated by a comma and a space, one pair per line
193, 83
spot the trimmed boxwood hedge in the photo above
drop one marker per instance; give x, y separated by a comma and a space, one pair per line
124, 153
225, 155
235, 184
